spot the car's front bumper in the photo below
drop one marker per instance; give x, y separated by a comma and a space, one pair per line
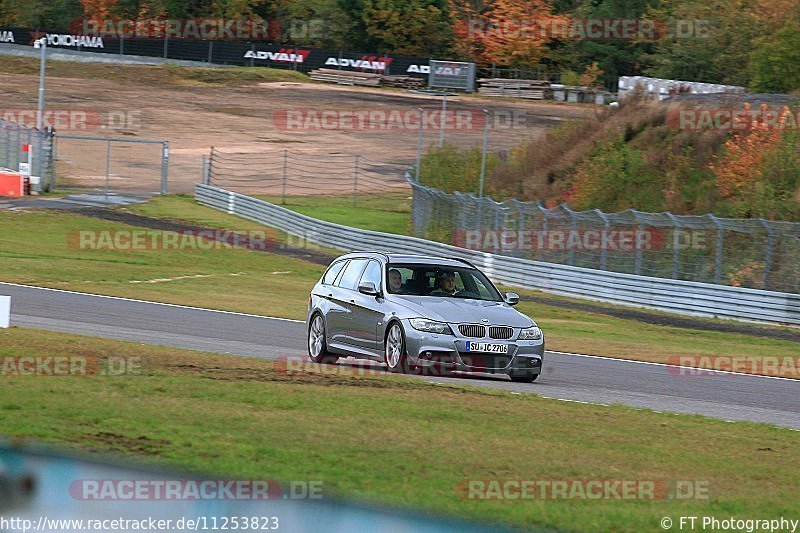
449, 352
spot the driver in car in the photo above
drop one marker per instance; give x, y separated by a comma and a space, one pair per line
446, 282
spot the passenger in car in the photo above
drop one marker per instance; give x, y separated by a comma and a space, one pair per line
396, 282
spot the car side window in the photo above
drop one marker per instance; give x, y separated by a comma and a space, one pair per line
351, 274
373, 274
332, 272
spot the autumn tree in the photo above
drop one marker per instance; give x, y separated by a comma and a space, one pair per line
511, 33
757, 171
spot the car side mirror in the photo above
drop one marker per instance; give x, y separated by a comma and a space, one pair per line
368, 288
511, 298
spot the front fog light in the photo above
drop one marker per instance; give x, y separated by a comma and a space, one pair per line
530, 334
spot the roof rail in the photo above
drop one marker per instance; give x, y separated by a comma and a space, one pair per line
384, 254
462, 260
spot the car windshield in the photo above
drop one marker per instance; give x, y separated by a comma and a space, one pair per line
441, 281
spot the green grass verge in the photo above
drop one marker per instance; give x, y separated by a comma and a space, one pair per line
394, 440
40, 248
389, 212
166, 75
35, 249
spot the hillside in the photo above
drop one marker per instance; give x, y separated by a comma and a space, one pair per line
680, 156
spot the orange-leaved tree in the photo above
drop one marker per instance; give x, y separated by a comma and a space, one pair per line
504, 32
98, 9
738, 169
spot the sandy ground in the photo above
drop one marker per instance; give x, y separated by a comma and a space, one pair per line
249, 120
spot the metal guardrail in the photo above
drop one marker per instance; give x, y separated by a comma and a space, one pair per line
674, 296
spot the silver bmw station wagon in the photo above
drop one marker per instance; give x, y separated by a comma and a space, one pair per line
420, 314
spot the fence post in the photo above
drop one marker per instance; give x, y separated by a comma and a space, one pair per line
639, 251
210, 50
51, 163
7, 140
768, 251
419, 143
164, 166
441, 124
676, 244
355, 181
38, 162
718, 258
545, 231
603, 248
497, 230
166, 45
483, 151
108, 163
572, 228
211, 166
121, 45
31, 153
283, 180
204, 171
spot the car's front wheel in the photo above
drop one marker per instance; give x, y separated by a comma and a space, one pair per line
395, 349
317, 347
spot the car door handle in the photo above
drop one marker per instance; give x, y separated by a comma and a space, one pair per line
353, 301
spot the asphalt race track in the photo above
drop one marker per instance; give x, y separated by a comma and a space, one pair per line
568, 377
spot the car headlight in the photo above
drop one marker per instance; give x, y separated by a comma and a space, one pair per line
530, 334
430, 326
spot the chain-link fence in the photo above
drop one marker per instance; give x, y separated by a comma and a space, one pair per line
111, 164
19, 144
285, 173
753, 253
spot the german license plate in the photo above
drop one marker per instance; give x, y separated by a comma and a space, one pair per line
487, 347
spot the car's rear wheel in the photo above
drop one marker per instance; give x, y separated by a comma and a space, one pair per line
394, 352
524, 378
317, 347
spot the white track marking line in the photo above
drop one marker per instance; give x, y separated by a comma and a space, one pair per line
153, 303
604, 357
608, 358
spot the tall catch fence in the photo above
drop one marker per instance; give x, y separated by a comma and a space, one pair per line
13, 140
286, 173
755, 253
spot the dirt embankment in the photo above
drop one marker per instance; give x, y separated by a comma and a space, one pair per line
193, 118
